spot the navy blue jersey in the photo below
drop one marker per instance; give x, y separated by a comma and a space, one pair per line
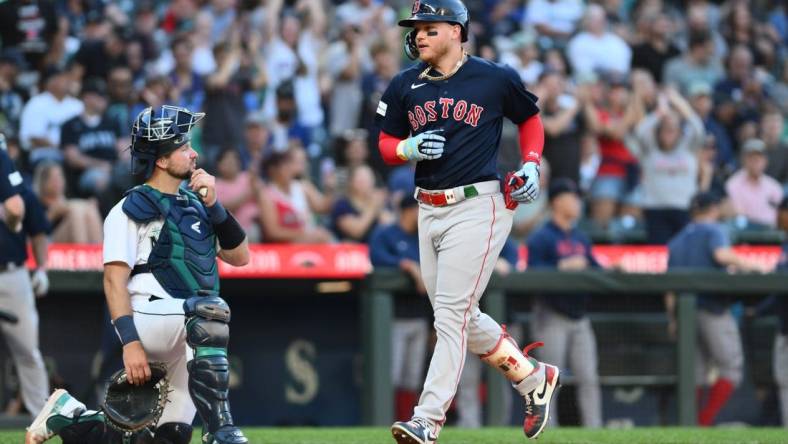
694, 247
10, 179
510, 252
388, 245
97, 141
13, 246
344, 207
469, 107
546, 247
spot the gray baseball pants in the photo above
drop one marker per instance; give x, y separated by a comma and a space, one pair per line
16, 297
458, 247
780, 362
571, 341
719, 345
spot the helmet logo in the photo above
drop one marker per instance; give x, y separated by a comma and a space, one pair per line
416, 6
159, 128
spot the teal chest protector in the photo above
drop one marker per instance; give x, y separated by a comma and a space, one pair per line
183, 259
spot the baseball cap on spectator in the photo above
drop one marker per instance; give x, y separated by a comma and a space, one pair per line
549, 71
586, 77
145, 6
753, 146
13, 56
704, 200
94, 16
407, 201
616, 79
354, 134
699, 88
523, 39
560, 186
256, 119
285, 90
699, 38
52, 71
94, 85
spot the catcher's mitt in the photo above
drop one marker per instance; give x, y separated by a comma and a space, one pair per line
129, 408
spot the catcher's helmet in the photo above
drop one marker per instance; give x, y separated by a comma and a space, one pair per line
451, 11
157, 132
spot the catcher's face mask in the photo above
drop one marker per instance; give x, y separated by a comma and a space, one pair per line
157, 132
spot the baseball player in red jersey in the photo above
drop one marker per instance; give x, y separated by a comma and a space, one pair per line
446, 113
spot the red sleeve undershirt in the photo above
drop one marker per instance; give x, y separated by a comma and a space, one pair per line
387, 144
531, 139
531, 142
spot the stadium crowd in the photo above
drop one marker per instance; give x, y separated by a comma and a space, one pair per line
645, 104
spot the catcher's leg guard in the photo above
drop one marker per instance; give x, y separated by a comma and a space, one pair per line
208, 332
173, 433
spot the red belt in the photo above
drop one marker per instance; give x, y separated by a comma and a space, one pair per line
446, 197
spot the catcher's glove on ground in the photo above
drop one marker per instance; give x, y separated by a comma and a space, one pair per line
129, 408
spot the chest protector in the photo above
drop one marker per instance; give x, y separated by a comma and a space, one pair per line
183, 258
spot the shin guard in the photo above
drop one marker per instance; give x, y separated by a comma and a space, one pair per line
208, 333
507, 357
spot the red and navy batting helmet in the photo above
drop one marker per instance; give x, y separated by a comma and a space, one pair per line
451, 11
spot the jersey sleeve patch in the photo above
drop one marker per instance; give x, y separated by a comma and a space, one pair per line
382, 107
15, 178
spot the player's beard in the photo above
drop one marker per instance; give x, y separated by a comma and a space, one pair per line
183, 174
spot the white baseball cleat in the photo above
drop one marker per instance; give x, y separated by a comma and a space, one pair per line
60, 403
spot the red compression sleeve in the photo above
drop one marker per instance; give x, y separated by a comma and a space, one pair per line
532, 139
387, 144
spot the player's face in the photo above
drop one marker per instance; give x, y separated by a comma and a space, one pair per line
755, 163
568, 205
434, 39
409, 219
669, 132
182, 162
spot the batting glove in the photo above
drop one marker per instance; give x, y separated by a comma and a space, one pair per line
425, 146
40, 282
529, 173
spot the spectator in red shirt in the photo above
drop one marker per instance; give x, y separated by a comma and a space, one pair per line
618, 175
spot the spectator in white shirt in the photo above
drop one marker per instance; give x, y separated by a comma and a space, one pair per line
596, 48
344, 61
554, 20
43, 115
524, 58
292, 53
374, 16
